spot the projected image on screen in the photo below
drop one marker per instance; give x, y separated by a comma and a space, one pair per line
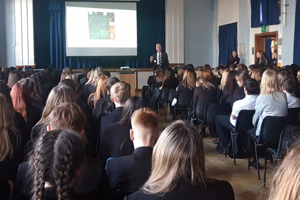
101, 25
101, 29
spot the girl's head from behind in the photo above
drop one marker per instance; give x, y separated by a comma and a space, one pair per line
56, 160
57, 96
269, 82
189, 78
285, 183
177, 156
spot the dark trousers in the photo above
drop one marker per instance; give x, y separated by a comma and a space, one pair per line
222, 124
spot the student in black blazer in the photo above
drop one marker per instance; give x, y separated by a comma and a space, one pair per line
159, 59
128, 173
177, 153
234, 59
116, 139
120, 92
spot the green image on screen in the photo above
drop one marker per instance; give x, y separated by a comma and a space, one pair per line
98, 26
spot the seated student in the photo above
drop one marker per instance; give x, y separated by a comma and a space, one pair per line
169, 80
128, 173
100, 93
178, 170
251, 89
240, 78
285, 181
229, 88
91, 85
105, 106
289, 87
120, 92
66, 116
55, 164
204, 90
115, 140
154, 82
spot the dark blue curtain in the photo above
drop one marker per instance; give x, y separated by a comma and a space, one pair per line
297, 35
268, 50
227, 41
264, 12
150, 30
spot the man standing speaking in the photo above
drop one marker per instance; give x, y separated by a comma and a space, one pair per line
159, 59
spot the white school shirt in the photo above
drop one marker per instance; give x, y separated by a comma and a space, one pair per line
293, 102
247, 103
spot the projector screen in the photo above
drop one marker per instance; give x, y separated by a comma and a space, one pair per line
101, 29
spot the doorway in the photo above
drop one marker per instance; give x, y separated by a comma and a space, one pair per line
260, 41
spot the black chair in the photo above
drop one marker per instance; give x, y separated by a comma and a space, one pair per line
121, 194
288, 135
183, 103
163, 99
243, 124
211, 111
268, 137
293, 115
199, 111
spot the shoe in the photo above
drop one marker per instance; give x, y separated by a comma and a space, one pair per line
253, 164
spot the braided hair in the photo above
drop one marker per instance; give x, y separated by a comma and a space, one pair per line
57, 157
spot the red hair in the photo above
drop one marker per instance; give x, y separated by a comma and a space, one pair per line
21, 98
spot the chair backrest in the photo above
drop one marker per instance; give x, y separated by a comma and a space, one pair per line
201, 105
271, 129
214, 109
293, 114
184, 99
171, 95
244, 121
164, 94
288, 136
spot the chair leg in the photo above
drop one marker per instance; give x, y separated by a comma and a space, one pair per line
233, 148
257, 164
202, 131
165, 105
158, 107
174, 113
227, 149
265, 172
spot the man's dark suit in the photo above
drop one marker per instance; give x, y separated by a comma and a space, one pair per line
164, 60
128, 173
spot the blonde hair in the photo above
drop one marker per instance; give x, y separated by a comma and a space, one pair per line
178, 155
189, 79
57, 96
120, 92
256, 74
100, 91
285, 183
224, 79
269, 83
199, 73
95, 76
6, 125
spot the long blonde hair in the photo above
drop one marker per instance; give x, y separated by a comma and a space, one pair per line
6, 125
202, 82
100, 91
269, 83
224, 79
177, 156
189, 79
285, 183
95, 76
57, 96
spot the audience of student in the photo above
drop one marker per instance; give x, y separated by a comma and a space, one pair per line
261, 59
289, 88
83, 78
91, 85
13, 78
240, 79
154, 82
256, 74
100, 93
115, 140
169, 80
178, 170
251, 90
226, 95
129, 173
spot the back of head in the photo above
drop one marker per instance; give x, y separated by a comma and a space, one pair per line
110, 82
289, 85
285, 180
251, 86
57, 96
230, 81
13, 78
120, 92
146, 121
189, 79
177, 156
132, 104
269, 82
242, 75
67, 116
224, 79
202, 82
57, 159
67, 70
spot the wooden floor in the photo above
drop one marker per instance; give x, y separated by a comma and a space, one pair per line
245, 183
